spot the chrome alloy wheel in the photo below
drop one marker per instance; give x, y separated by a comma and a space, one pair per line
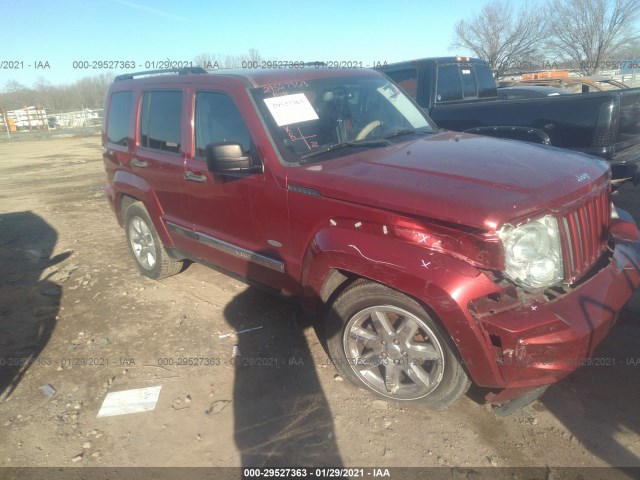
142, 243
393, 352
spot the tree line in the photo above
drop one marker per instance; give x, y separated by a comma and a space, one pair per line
582, 35
88, 92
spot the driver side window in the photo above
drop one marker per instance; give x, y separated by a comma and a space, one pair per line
217, 119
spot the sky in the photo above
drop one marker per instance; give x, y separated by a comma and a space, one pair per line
45, 38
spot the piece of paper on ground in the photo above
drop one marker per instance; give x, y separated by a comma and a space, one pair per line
130, 401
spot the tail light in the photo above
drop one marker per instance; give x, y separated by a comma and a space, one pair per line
607, 125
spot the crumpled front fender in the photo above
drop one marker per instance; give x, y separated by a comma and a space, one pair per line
442, 283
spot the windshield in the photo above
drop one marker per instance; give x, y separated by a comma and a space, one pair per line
307, 118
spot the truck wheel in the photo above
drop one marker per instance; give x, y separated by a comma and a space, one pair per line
385, 341
145, 245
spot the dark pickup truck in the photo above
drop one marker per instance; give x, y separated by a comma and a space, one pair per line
459, 93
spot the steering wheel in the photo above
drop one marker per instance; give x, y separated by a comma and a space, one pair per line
368, 128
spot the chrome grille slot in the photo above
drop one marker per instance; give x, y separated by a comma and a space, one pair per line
585, 232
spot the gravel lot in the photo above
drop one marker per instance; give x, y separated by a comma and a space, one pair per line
74, 305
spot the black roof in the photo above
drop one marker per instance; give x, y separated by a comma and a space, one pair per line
435, 60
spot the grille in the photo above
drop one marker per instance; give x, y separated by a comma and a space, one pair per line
585, 232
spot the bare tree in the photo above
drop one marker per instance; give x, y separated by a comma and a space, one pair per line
629, 52
254, 55
90, 91
57, 99
17, 95
506, 39
210, 60
42, 89
588, 32
13, 86
252, 59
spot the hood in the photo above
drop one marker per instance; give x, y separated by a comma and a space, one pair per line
459, 178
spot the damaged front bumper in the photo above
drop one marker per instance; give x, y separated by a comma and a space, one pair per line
538, 341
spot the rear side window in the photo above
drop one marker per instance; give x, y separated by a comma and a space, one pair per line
160, 121
119, 118
486, 82
459, 81
218, 120
469, 87
449, 84
407, 80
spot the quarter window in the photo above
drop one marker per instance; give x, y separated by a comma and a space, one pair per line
119, 118
218, 120
160, 121
486, 83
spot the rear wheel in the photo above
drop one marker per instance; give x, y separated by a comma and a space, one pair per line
145, 245
387, 342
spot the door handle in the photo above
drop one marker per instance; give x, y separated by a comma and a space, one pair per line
192, 177
137, 163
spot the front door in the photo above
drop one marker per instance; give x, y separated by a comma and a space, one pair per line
239, 219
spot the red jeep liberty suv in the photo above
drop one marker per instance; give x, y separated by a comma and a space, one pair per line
432, 258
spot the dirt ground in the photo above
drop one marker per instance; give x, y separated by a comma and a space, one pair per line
75, 315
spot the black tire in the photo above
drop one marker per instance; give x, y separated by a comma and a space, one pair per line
145, 246
418, 362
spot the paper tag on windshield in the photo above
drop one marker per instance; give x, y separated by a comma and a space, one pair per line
290, 109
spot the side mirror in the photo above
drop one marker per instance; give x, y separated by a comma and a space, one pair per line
229, 157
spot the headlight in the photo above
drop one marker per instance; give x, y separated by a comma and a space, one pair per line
532, 252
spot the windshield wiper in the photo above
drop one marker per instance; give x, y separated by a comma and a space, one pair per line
404, 132
337, 146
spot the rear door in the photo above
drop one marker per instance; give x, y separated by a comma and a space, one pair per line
159, 154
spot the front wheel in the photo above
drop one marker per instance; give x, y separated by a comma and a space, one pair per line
386, 342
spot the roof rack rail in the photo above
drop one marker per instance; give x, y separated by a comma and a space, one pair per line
179, 71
